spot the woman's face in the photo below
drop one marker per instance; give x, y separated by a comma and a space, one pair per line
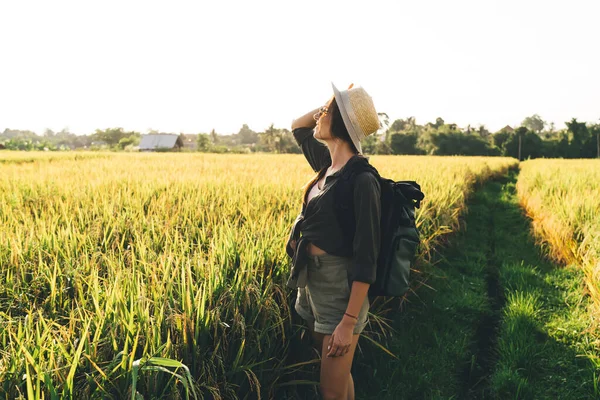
323, 128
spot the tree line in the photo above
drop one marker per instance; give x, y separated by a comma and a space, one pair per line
111, 138
534, 138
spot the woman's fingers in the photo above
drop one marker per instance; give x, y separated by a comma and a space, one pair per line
339, 352
334, 351
330, 344
346, 349
336, 348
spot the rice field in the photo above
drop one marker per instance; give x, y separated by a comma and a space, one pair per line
162, 275
562, 197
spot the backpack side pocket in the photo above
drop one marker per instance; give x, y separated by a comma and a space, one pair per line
400, 261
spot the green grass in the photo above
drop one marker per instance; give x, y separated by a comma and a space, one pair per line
499, 321
435, 339
545, 345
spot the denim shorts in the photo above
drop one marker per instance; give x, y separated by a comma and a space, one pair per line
325, 298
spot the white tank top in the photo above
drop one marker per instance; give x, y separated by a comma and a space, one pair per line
313, 192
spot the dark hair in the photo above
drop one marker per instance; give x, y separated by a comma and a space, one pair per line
338, 128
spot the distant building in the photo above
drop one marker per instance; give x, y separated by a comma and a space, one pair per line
162, 141
2, 147
507, 129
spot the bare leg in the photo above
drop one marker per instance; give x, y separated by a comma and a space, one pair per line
335, 372
350, 388
317, 337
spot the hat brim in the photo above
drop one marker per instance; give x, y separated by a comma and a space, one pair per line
343, 102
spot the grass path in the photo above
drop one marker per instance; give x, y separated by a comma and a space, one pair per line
501, 322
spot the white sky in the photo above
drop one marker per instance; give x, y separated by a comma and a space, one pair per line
192, 66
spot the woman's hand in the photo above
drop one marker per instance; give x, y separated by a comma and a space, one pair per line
290, 247
306, 121
341, 338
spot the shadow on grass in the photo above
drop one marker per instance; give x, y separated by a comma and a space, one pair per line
543, 347
494, 323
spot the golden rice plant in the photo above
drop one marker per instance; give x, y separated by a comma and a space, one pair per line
22, 157
562, 197
127, 275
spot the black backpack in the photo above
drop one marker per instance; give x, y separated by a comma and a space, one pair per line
399, 234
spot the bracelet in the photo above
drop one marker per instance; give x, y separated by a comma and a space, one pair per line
351, 316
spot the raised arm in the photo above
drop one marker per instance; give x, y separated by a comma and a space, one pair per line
306, 121
315, 152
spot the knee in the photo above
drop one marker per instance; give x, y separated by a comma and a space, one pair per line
332, 393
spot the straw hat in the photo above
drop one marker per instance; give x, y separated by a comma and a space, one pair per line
358, 113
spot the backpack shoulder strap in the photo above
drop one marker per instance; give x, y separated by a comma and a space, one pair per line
344, 193
345, 186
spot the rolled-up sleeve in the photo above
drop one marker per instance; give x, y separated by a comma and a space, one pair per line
367, 211
316, 153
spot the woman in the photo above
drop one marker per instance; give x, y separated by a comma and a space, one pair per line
333, 268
